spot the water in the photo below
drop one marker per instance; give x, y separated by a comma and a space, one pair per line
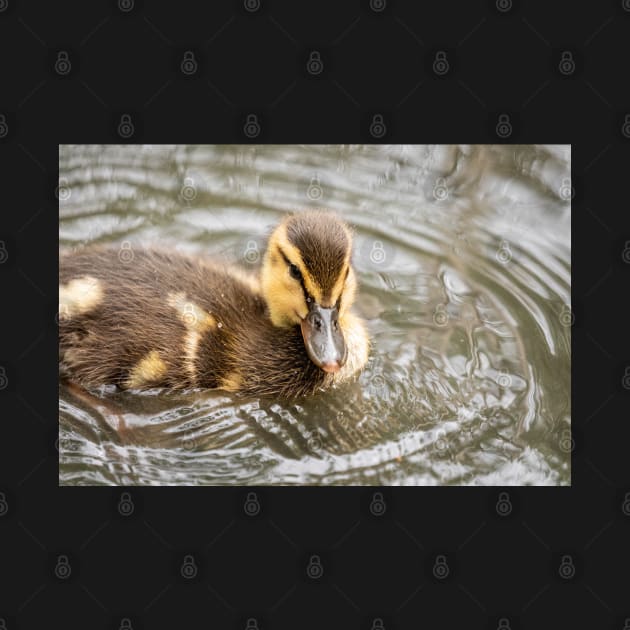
463, 254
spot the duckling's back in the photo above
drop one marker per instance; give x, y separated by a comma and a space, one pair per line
145, 318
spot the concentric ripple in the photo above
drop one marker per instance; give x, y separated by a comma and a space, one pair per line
463, 254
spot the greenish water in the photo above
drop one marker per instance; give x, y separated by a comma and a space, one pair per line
463, 255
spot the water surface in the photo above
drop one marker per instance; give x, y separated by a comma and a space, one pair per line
463, 255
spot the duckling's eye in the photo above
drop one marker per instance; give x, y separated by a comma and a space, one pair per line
295, 271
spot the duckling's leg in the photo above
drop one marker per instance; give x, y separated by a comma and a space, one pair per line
112, 414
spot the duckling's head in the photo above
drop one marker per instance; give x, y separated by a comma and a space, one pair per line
307, 280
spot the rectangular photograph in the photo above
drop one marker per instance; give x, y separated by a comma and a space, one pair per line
361, 315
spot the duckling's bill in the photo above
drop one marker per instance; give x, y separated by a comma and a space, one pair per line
323, 338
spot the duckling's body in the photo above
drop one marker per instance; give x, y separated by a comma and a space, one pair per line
150, 318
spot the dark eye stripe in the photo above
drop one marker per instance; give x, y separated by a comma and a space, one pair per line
307, 296
294, 270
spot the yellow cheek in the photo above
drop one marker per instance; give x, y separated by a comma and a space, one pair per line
286, 302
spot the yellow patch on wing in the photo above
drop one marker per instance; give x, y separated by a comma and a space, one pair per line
197, 322
232, 382
149, 369
79, 296
192, 315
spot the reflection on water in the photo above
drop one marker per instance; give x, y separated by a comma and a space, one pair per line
463, 254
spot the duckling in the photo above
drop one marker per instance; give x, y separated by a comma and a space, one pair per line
149, 318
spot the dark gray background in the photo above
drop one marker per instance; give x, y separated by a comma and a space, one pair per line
502, 59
